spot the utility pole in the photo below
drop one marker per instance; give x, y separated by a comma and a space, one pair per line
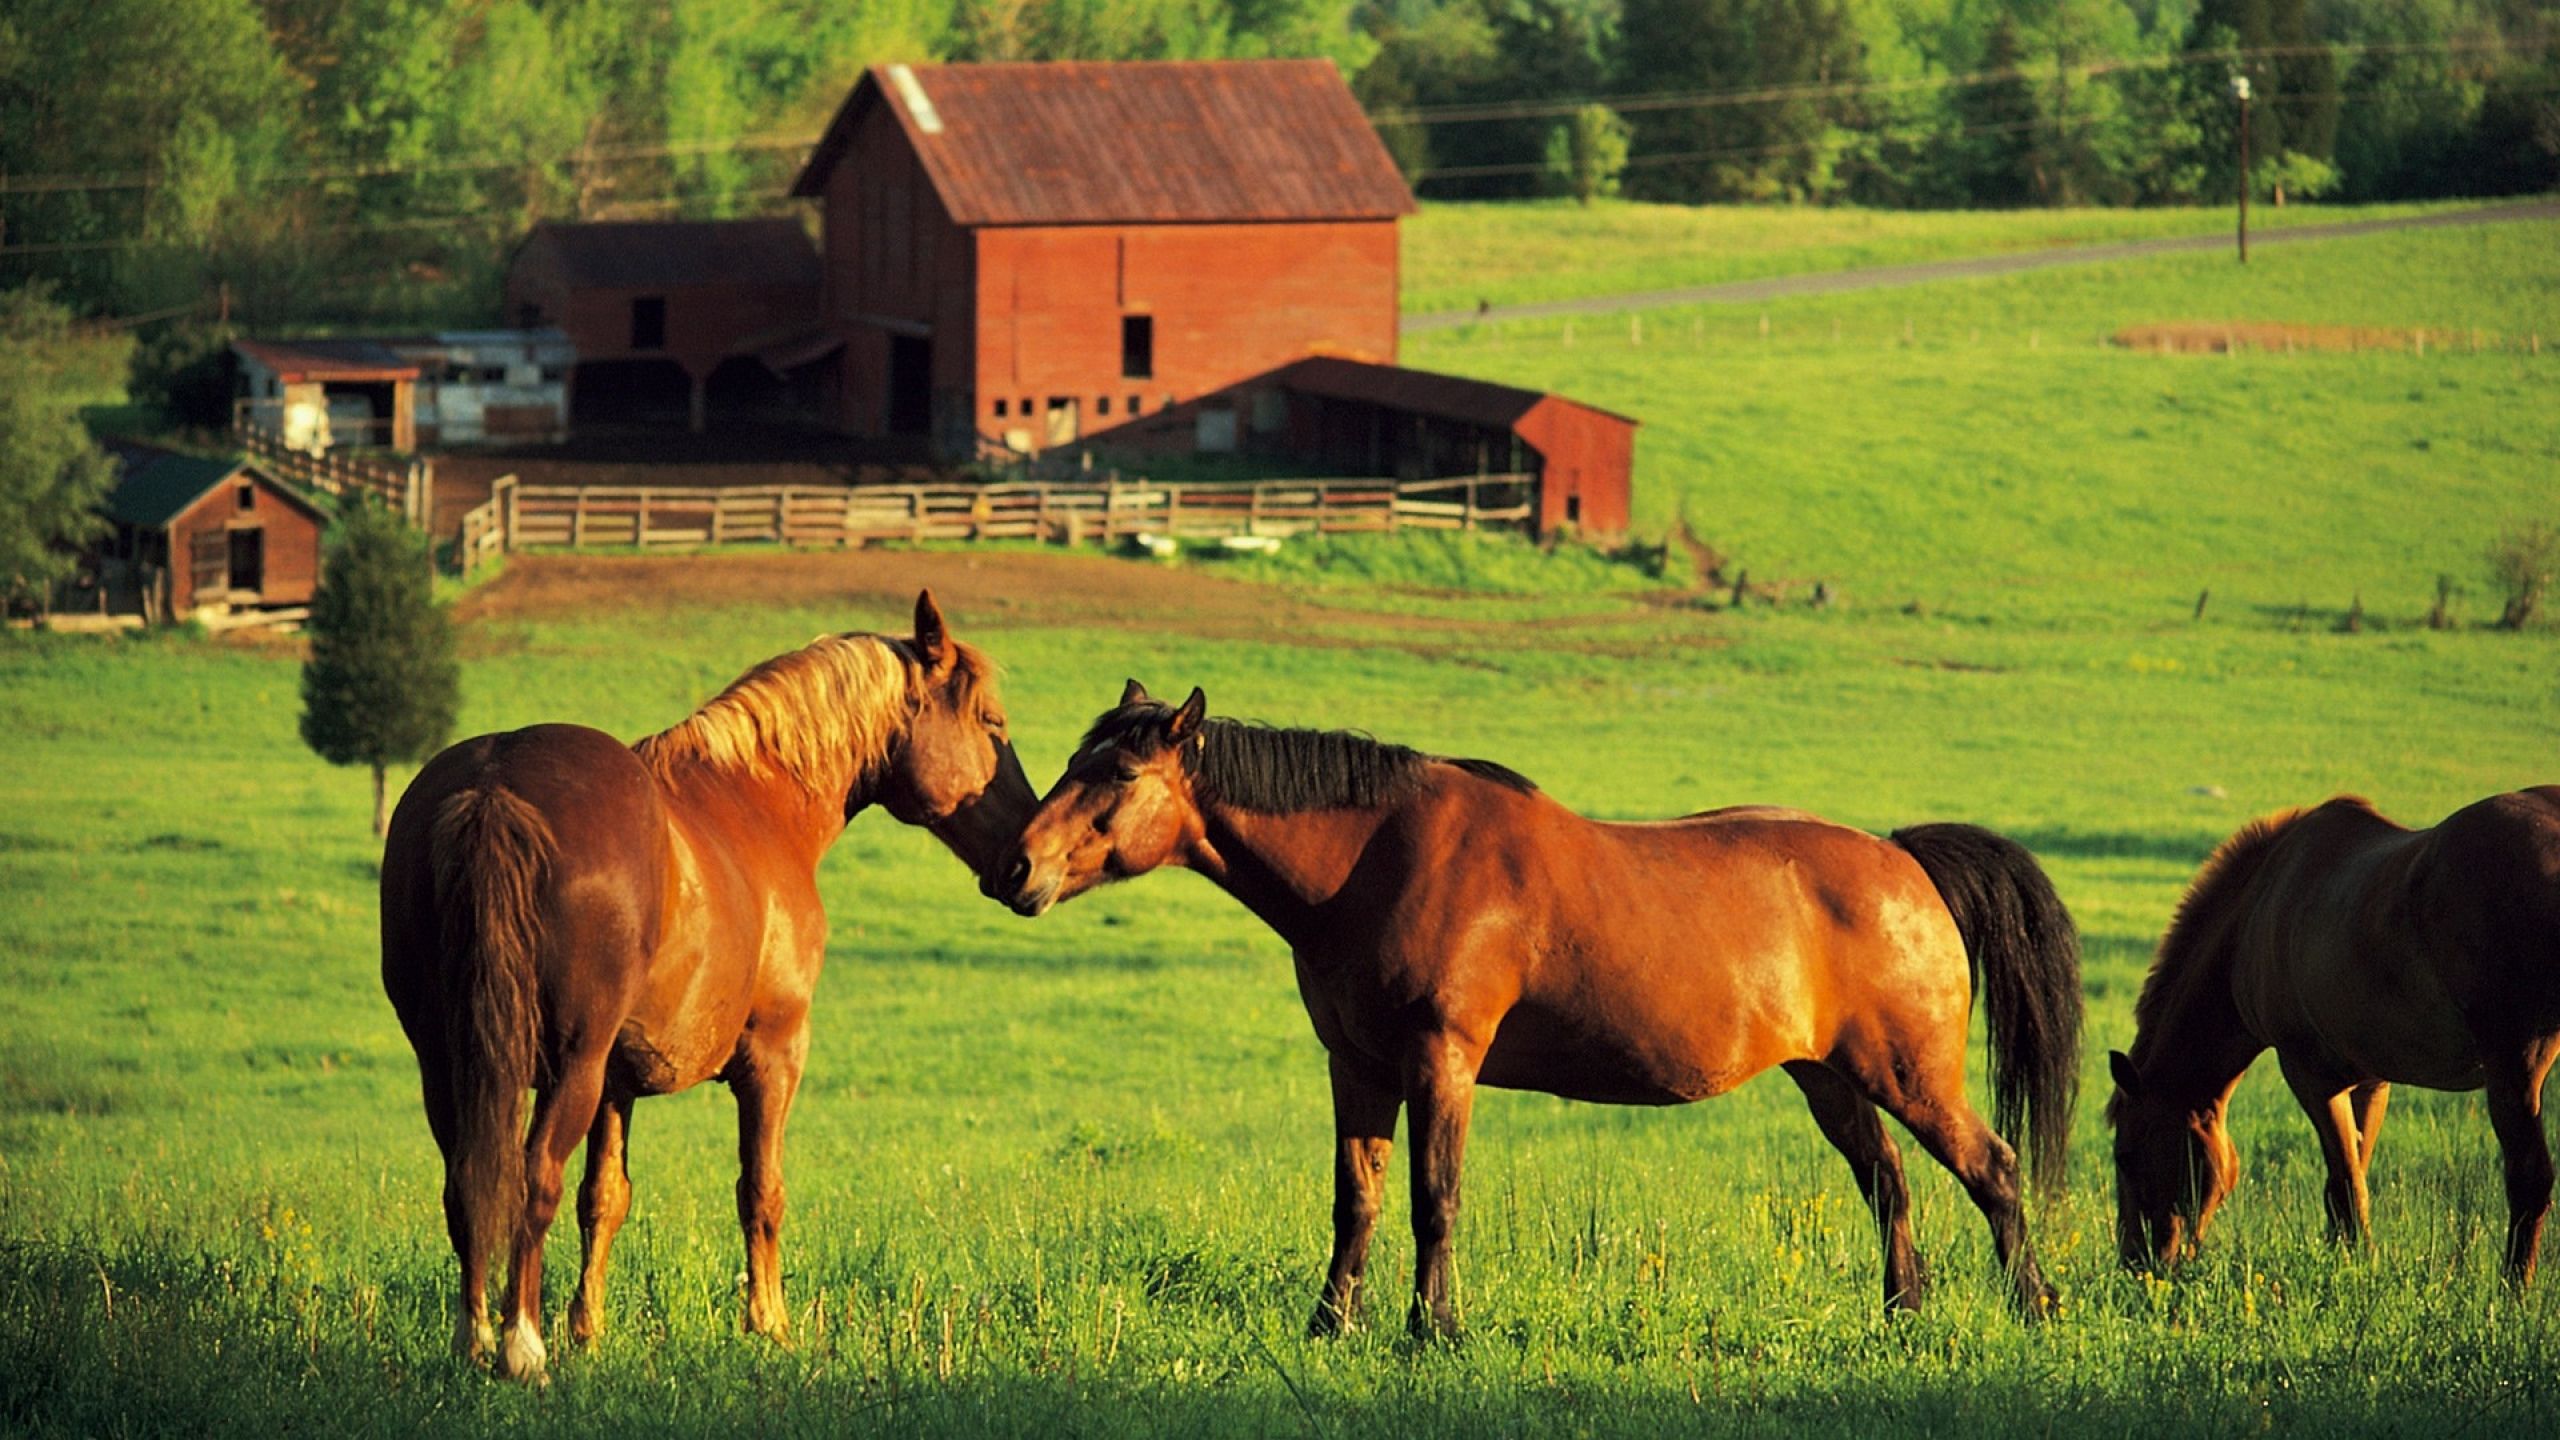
2240, 92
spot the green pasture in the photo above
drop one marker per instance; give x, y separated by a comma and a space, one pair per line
1981, 447
1512, 252
1072, 1176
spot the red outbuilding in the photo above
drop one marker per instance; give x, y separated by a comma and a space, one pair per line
192, 532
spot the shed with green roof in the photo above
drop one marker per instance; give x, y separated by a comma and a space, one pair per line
193, 531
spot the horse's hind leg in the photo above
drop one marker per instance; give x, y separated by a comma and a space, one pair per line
765, 1077
603, 1200
1854, 1127
1983, 1163
2515, 1110
1364, 1127
561, 1116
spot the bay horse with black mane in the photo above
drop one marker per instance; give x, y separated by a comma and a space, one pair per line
2365, 954
597, 921
1454, 927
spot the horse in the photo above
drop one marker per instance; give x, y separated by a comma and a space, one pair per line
1452, 926
598, 922
2365, 954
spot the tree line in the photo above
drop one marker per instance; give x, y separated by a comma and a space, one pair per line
301, 160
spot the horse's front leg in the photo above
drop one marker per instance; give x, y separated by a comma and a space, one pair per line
2328, 1101
2515, 1111
765, 1077
1439, 1096
1364, 1127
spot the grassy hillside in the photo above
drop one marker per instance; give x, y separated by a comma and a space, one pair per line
1071, 1176
1979, 446
1456, 253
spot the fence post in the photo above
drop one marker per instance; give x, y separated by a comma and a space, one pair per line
507, 540
640, 529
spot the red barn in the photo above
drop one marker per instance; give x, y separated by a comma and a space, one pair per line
1021, 256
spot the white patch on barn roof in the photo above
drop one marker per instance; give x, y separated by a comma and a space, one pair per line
911, 90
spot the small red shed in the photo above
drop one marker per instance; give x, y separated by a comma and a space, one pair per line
192, 532
1021, 256
668, 317
1417, 425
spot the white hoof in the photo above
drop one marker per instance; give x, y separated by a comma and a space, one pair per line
524, 1358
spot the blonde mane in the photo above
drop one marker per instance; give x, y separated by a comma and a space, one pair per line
824, 715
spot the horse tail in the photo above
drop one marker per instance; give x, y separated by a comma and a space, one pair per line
493, 853
2025, 955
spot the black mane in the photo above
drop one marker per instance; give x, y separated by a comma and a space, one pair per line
1279, 770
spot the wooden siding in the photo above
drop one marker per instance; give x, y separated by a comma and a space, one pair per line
291, 556
1588, 456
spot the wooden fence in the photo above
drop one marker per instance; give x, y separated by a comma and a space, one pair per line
409, 486
1090, 512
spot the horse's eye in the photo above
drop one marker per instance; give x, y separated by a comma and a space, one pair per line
1128, 774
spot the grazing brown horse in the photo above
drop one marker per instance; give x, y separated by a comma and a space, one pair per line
2365, 955
1452, 926
597, 922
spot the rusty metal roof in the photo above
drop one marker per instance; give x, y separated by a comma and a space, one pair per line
349, 361
1420, 392
670, 254
1145, 141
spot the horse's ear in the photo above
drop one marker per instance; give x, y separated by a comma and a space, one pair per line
933, 638
2128, 1079
1187, 719
1132, 693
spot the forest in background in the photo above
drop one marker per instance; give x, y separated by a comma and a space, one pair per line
303, 161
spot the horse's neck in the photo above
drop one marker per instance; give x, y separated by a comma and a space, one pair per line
1286, 867
2197, 1045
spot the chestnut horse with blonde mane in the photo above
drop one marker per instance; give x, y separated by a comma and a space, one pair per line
597, 922
1454, 927
2365, 954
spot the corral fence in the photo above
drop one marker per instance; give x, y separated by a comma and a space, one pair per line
407, 485
1104, 512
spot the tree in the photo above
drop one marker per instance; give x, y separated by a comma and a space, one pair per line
1586, 154
52, 475
2524, 560
381, 686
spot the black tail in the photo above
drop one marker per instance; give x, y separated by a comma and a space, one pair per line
492, 855
2026, 967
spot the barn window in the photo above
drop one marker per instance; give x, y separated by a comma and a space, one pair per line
1024, 409
1101, 404
248, 496
1133, 404
649, 322
1137, 347
1573, 509
999, 408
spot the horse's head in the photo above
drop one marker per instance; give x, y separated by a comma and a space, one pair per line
1123, 807
954, 769
2175, 1165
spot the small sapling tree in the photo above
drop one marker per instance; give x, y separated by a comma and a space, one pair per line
381, 686
2524, 560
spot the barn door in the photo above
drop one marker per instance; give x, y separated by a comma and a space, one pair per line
210, 567
248, 560
910, 385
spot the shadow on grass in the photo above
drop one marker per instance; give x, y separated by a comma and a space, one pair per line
2188, 848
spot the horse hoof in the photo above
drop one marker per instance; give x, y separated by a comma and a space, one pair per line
524, 1359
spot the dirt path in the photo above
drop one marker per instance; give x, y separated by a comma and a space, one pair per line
1039, 588
1890, 276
